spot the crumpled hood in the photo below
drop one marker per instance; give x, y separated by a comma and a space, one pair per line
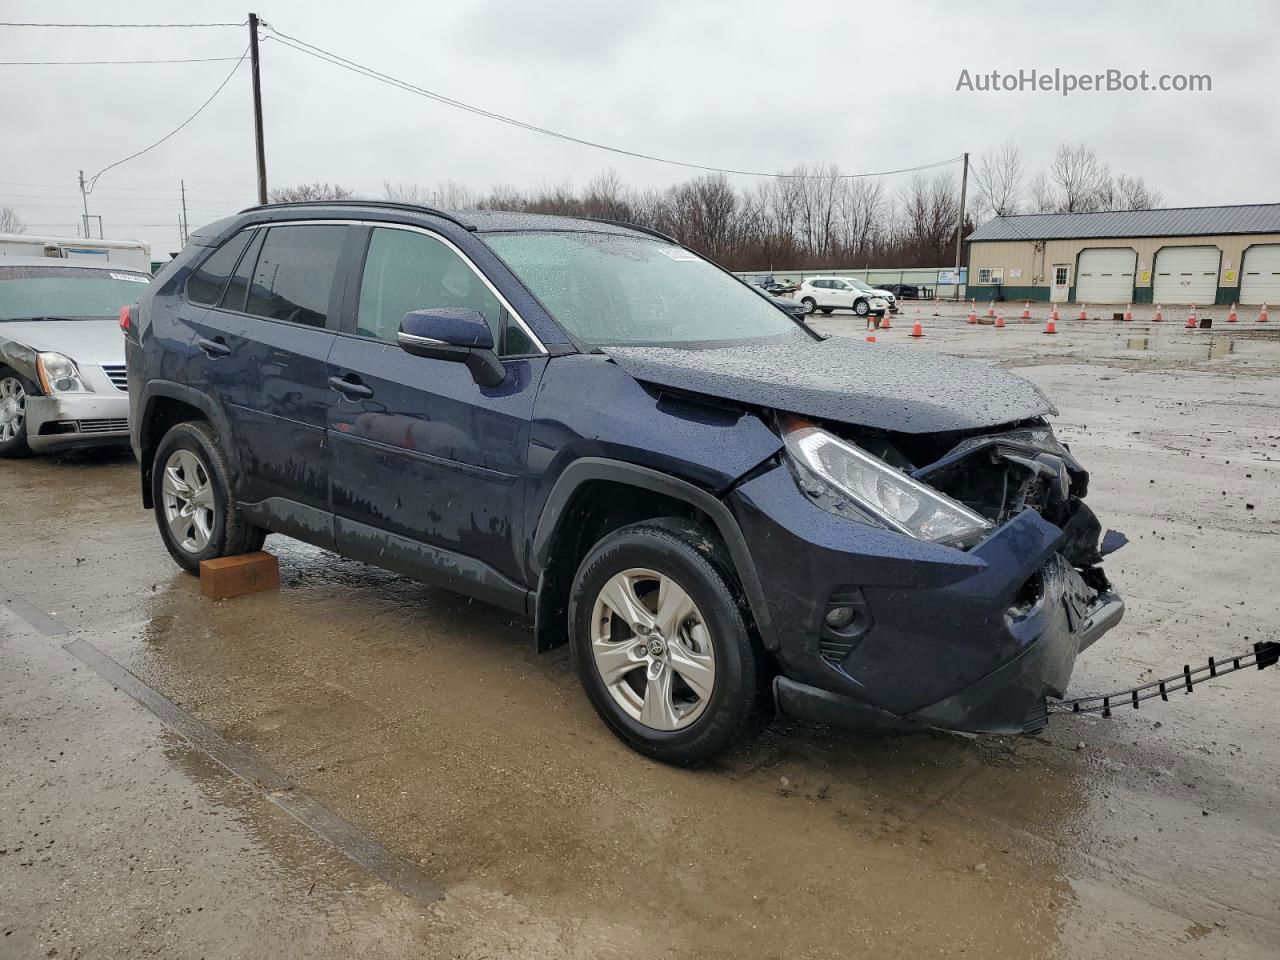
871, 385
84, 341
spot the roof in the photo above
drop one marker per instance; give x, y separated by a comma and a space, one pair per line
480, 221
7, 261
1172, 222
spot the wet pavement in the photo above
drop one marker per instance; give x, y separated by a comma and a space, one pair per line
427, 725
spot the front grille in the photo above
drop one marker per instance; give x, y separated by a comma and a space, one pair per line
117, 375
104, 426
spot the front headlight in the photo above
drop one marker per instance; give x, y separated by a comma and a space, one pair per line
58, 374
877, 489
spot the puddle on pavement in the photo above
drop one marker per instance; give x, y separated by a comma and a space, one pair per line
1204, 345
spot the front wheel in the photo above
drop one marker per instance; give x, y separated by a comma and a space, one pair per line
810, 305
194, 504
13, 415
661, 644
862, 308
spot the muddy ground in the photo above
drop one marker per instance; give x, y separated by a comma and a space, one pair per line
428, 725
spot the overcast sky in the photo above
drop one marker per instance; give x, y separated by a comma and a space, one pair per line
870, 86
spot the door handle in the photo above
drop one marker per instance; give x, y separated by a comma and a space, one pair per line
351, 389
213, 348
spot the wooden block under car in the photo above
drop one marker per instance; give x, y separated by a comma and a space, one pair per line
235, 576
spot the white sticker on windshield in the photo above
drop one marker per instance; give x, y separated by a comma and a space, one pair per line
676, 253
130, 276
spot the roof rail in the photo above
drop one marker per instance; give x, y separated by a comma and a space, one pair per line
632, 226
381, 204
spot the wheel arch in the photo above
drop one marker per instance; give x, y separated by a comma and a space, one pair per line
163, 404
588, 489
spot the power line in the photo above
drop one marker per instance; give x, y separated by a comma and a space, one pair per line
125, 26
338, 61
102, 63
94, 179
64, 187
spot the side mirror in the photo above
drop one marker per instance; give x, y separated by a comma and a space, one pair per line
453, 333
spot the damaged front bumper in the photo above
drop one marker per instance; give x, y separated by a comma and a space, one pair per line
971, 641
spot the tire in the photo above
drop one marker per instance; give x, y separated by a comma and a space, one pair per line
827, 310
14, 391
215, 527
809, 305
693, 723
861, 308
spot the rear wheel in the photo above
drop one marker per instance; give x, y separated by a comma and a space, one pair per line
194, 504
661, 643
13, 415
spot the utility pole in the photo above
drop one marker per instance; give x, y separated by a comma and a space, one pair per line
964, 185
84, 197
257, 108
183, 185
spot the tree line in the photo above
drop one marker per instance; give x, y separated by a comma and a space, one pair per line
812, 216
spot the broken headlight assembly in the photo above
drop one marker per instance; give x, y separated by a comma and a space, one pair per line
850, 482
58, 374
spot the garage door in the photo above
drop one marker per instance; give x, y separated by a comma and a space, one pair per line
1106, 275
1187, 275
1260, 275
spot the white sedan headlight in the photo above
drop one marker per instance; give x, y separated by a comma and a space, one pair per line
879, 490
58, 374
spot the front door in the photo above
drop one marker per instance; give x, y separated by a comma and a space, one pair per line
428, 466
1060, 283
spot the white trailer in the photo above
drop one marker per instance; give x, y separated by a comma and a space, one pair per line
127, 253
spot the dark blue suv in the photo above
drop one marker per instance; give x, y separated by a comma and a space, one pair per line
585, 422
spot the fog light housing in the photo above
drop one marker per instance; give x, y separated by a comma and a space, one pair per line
839, 617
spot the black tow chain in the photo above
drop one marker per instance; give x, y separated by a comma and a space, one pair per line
1263, 655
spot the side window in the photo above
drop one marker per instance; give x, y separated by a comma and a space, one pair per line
205, 285
238, 285
406, 271
294, 273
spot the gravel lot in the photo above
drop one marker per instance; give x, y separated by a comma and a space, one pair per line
428, 725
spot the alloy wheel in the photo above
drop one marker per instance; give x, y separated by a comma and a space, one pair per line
189, 507
652, 648
13, 408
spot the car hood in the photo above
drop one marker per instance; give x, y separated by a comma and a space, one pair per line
900, 389
95, 342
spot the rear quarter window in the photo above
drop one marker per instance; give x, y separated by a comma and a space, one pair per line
206, 284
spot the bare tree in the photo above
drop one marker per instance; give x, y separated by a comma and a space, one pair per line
997, 180
1132, 193
10, 222
406, 191
1040, 195
311, 191
607, 197
1082, 180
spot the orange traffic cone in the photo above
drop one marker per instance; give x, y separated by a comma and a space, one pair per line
973, 314
1159, 315
1231, 317
1026, 311
1084, 314
1053, 314
1000, 320
1262, 314
1192, 322
871, 338
1128, 313
885, 324
991, 312
1051, 326
917, 329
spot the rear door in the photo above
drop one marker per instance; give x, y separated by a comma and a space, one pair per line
267, 343
428, 467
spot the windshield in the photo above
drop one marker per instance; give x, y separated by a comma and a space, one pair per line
860, 285
72, 293
608, 289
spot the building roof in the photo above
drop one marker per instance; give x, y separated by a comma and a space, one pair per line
1173, 222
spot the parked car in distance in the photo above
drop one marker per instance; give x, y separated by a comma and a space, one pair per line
903, 291
719, 511
62, 374
839, 293
793, 307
